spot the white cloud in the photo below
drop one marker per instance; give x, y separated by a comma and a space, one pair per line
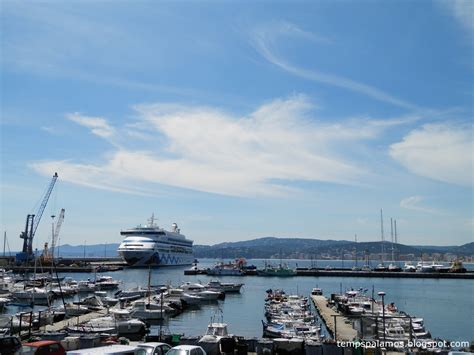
206, 149
415, 203
438, 151
265, 39
463, 12
98, 125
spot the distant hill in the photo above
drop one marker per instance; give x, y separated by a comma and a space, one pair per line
268, 247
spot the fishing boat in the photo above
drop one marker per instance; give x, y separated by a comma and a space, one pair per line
228, 269
288, 316
281, 271
216, 334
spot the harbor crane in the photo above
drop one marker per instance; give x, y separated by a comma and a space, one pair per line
32, 222
48, 253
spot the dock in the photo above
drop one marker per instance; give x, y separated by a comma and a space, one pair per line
73, 321
341, 272
339, 326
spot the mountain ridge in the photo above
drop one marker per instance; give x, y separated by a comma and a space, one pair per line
267, 247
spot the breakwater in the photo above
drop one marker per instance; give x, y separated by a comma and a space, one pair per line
356, 273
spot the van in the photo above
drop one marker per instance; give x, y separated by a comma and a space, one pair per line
111, 350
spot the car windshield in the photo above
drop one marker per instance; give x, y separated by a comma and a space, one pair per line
178, 352
147, 349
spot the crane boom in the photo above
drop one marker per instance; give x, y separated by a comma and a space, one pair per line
56, 231
39, 214
32, 224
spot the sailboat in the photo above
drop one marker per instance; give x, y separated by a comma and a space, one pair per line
147, 310
393, 266
381, 266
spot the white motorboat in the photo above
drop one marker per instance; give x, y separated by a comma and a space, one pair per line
144, 311
33, 295
190, 299
85, 286
138, 292
226, 287
106, 283
73, 310
121, 322
201, 291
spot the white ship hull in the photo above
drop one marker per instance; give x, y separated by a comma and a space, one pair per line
151, 258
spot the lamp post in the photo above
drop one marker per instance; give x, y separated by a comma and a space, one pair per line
382, 294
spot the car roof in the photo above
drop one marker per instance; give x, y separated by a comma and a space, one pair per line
186, 347
109, 349
41, 343
152, 344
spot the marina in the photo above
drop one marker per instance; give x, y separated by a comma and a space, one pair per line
238, 306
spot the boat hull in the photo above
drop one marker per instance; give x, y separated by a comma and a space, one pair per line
146, 258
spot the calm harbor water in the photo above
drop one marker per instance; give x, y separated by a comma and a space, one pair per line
446, 305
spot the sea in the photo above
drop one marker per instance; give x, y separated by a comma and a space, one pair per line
447, 306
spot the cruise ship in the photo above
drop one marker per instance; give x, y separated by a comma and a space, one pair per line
150, 245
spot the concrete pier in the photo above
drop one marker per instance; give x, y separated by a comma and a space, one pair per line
339, 326
73, 321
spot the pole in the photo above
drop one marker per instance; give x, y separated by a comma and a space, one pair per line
161, 315
382, 294
4, 242
85, 242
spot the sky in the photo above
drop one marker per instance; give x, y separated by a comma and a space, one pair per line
239, 120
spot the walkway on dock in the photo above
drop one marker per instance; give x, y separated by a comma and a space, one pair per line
73, 321
343, 329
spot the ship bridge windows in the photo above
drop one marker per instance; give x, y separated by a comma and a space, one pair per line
135, 232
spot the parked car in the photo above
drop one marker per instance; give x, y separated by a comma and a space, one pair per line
110, 350
10, 345
155, 348
186, 350
43, 347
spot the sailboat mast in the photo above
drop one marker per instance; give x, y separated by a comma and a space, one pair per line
383, 239
396, 237
391, 236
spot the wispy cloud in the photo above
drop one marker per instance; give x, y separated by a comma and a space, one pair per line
442, 152
98, 125
463, 12
265, 40
207, 149
415, 203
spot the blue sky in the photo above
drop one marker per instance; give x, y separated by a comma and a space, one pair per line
239, 119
